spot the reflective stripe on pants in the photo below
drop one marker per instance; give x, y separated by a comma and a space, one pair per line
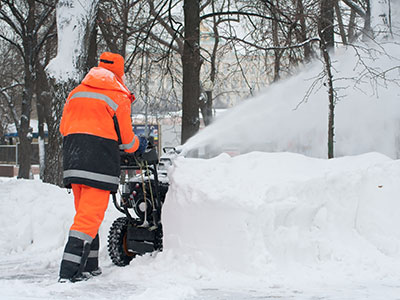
93, 258
75, 254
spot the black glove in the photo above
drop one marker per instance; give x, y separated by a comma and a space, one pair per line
142, 145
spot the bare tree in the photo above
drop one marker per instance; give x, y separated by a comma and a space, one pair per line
26, 22
10, 86
326, 23
43, 104
121, 27
65, 72
191, 70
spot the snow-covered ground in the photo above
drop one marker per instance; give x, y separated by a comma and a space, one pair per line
254, 226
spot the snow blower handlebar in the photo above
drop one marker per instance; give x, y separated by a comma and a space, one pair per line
135, 161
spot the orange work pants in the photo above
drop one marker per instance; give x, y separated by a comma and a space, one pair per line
90, 206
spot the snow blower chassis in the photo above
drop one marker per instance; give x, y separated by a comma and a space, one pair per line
144, 194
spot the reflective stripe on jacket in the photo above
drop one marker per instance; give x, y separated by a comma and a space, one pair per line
91, 150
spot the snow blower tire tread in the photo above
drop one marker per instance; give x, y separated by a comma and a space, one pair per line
117, 243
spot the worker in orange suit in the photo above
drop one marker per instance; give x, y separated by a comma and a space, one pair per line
96, 125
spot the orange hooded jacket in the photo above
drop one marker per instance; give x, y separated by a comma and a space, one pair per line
90, 144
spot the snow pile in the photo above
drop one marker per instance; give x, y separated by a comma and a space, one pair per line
367, 114
259, 224
33, 216
262, 212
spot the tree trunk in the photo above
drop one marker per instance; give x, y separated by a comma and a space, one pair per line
331, 98
367, 30
24, 131
92, 59
340, 22
326, 23
390, 18
44, 101
206, 109
54, 168
275, 39
191, 70
303, 27
40, 91
61, 85
352, 25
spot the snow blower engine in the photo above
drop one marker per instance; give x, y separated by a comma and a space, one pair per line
141, 199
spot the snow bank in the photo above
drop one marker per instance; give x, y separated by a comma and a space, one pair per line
367, 114
33, 216
272, 225
264, 213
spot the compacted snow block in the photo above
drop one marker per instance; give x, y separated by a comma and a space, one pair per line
263, 210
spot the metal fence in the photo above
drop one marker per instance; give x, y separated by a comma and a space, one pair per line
9, 154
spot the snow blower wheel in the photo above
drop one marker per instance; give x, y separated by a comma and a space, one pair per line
117, 247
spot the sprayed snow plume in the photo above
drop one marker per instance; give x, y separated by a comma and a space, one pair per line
289, 116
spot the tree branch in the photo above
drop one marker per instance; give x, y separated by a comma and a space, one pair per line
299, 45
210, 15
11, 104
42, 19
17, 15
19, 48
355, 7
6, 19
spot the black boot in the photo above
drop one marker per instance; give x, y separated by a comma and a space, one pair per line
75, 256
92, 264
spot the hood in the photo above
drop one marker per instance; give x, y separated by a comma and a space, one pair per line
102, 78
113, 62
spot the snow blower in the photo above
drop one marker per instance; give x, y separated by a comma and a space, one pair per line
140, 200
